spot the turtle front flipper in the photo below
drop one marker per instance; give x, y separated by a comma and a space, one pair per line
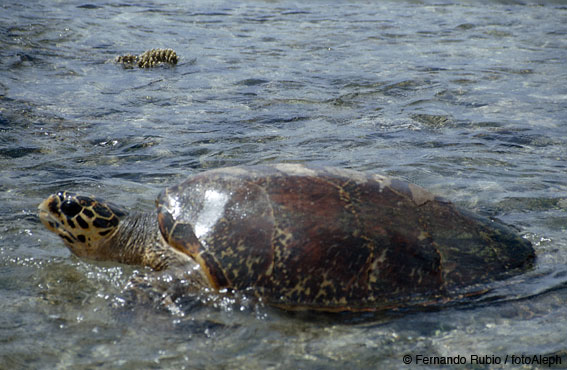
84, 223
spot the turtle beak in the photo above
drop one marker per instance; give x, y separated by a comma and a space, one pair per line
46, 210
51, 218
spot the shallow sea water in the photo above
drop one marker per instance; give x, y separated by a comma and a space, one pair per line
467, 99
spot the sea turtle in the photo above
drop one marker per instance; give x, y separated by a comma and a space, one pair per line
301, 237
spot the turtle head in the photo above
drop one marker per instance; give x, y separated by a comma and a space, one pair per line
84, 223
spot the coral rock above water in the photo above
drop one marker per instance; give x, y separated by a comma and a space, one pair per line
149, 59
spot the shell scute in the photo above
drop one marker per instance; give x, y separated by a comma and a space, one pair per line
224, 219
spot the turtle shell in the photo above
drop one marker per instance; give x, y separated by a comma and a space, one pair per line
333, 239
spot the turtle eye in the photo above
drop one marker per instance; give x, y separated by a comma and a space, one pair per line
70, 208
